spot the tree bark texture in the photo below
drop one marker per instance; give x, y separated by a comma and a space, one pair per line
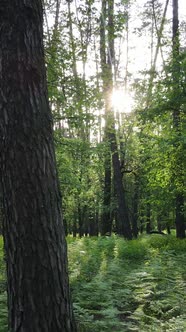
106, 222
37, 278
1, 210
124, 227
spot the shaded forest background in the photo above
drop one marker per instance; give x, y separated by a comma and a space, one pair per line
121, 164
116, 73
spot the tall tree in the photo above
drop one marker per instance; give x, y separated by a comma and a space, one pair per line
158, 47
108, 63
178, 167
38, 288
107, 81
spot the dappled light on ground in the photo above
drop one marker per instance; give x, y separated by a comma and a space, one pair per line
120, 285
134, 285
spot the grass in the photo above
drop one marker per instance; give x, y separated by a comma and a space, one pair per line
123, 286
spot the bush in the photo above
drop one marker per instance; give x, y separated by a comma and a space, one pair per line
133, 251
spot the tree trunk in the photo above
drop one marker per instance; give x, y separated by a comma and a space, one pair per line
106, 220
135, 207
107, 65
158, 47
180, 222
80, 220
123, 226
159, 224
148, 219
1, 210
38, 288
178, 167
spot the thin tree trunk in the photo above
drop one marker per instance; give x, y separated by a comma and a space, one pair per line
127, 46
80, 219
179, 199
56, 24
108, 64
148, 219
135, 207
158, 47
106, 223
123, 227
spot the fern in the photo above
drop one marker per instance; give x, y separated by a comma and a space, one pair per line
120, 285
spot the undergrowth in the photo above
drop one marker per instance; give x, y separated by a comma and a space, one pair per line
123, 286
120, 285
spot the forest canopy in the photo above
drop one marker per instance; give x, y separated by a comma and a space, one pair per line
116, 81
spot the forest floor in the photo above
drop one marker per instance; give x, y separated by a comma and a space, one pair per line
123, 286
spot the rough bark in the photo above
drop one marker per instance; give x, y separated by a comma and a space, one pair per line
1, 210
38, 288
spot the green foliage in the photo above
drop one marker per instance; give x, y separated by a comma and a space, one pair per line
80, 171
120, 285
3, 312
131, 251
161, 144
128, 285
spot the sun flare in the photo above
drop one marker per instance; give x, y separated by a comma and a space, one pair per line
122, 102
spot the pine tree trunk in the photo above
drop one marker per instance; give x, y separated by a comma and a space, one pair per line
38, 289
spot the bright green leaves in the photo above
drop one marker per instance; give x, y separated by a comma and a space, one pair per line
132, 285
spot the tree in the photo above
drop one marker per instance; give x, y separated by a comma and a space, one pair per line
162, 136
137, 171
107, 55
177, 125
38, 287
107, 81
